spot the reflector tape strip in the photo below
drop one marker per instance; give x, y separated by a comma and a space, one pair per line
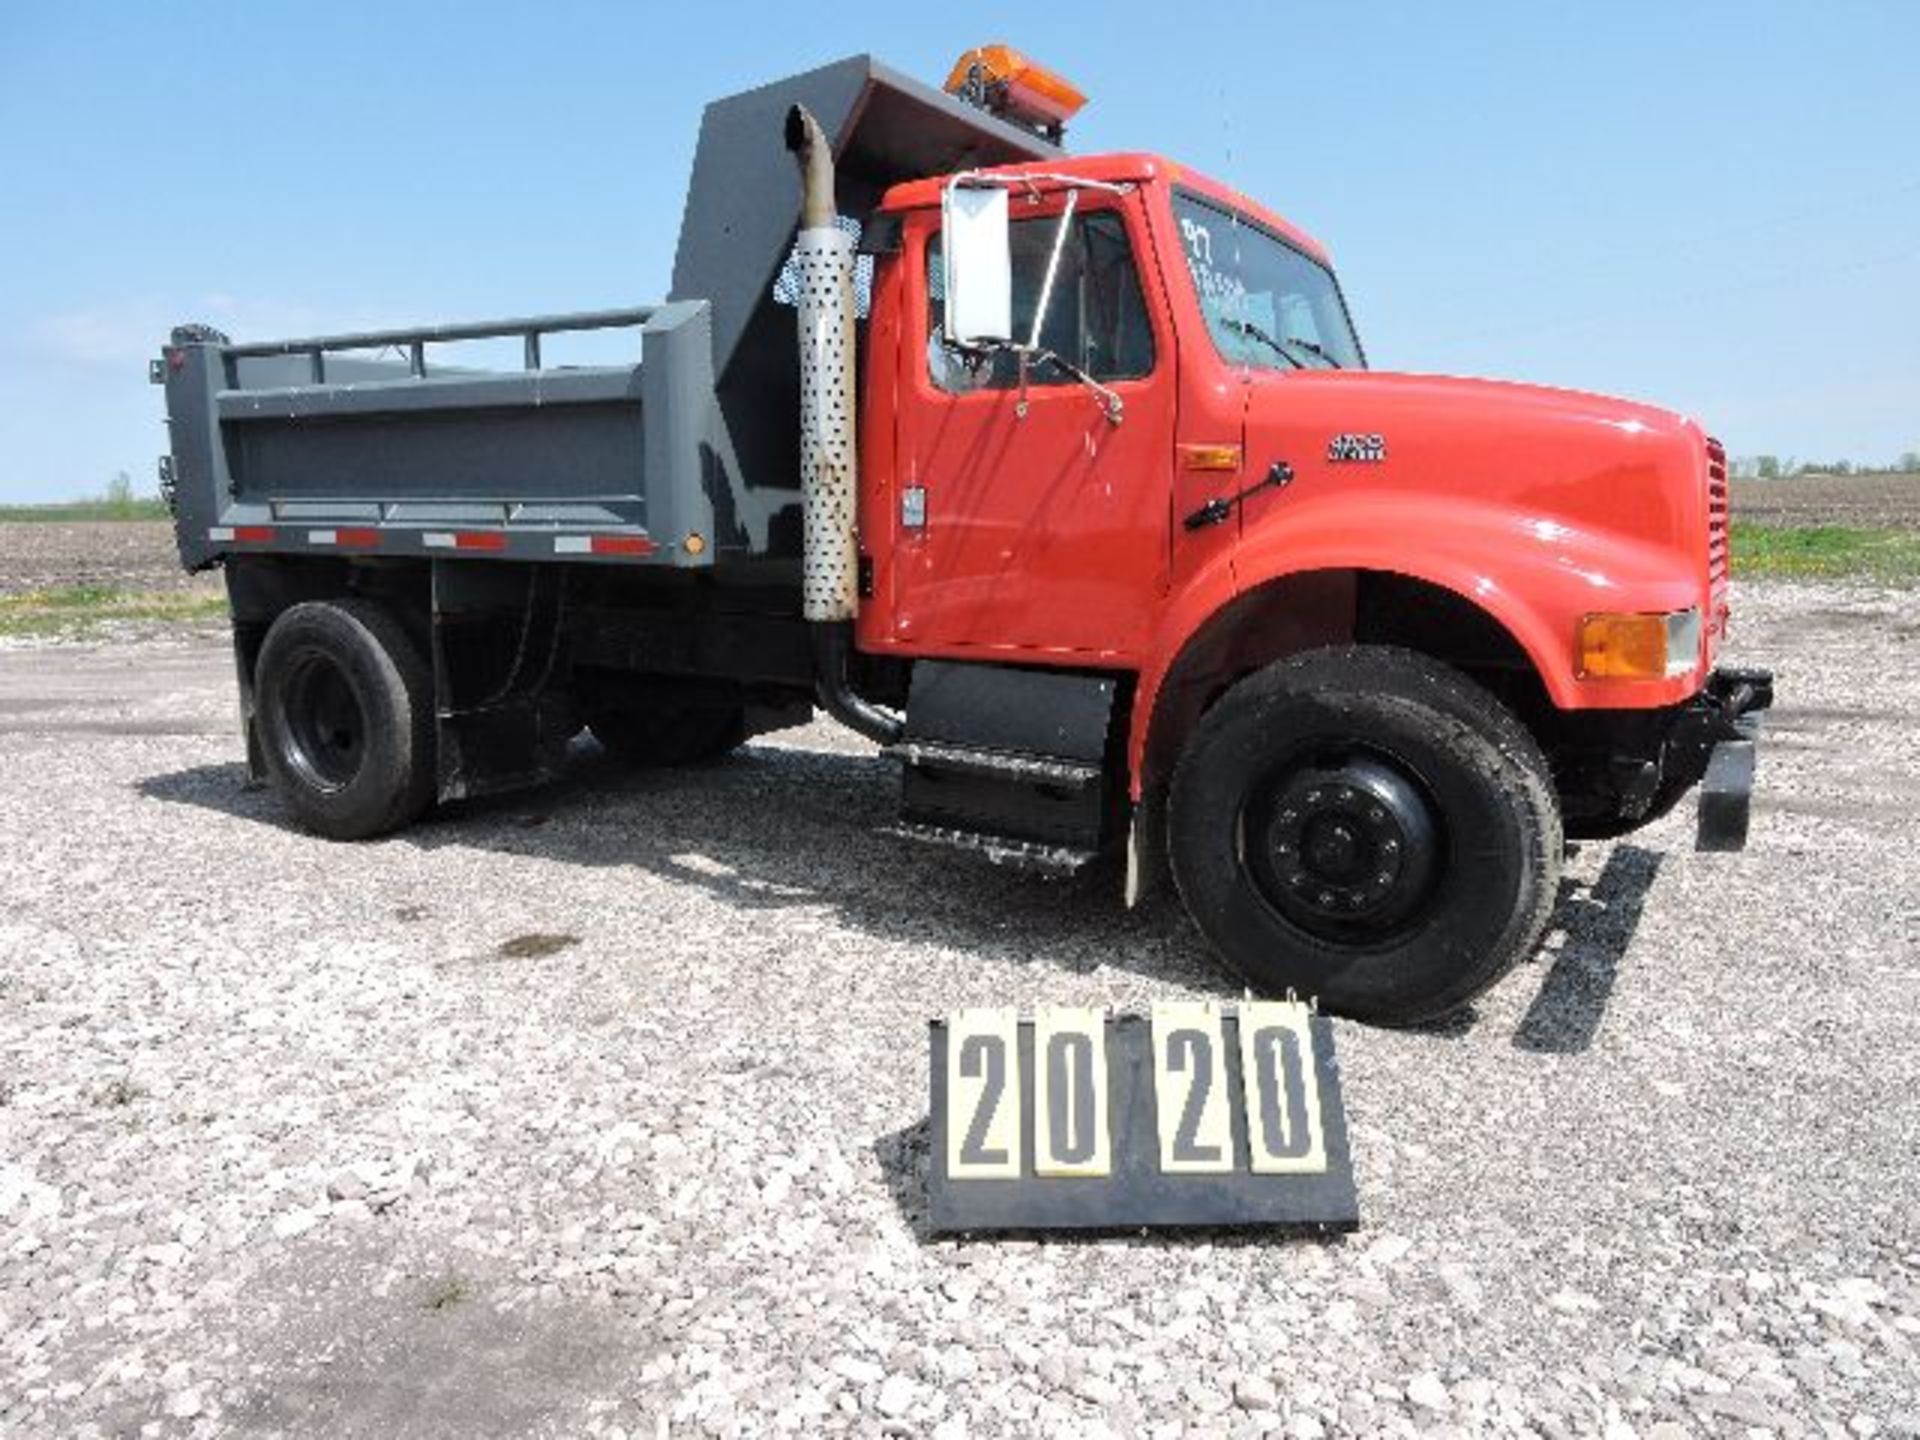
320, 537
603, 545
355, 539
464, 539
220, 532
253, 534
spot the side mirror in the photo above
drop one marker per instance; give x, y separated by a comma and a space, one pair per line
978, 259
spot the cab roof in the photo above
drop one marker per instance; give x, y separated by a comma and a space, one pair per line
1116, 169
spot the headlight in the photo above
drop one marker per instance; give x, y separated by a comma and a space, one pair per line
1637, 647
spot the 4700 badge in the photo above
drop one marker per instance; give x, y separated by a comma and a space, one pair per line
1189, 1116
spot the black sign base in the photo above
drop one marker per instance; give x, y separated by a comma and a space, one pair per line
1138, 1194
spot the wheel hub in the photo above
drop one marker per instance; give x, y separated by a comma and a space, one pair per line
325, 727
1348, 844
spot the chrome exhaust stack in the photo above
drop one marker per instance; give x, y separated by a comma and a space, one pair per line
829, 458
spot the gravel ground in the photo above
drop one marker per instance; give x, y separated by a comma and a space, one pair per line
600, 1110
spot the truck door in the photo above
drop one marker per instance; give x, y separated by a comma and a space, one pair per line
1029, 519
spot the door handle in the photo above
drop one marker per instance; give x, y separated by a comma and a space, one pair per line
1279, 475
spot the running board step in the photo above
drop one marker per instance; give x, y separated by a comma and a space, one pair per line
998, 764
1059, 861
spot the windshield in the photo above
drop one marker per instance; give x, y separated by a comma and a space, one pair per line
1266, 304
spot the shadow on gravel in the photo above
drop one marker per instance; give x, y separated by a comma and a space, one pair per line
774, 829
1600, 922
355, 1335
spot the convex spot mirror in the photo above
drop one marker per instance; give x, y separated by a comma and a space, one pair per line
978, 258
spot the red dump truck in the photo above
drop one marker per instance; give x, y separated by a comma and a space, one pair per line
1063, 478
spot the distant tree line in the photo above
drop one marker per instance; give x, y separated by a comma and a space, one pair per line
1775, 467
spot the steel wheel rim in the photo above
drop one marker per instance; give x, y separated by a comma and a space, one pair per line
324, 725
1344, 843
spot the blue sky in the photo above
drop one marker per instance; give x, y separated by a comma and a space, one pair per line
1712, 206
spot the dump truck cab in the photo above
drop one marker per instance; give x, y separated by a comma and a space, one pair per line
1215, 479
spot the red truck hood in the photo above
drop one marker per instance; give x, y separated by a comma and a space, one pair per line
1565, 456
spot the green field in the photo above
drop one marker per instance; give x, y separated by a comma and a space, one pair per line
146, 508
72, 609
1826, 552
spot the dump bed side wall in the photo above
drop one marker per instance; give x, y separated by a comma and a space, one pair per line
608, 463
700, 440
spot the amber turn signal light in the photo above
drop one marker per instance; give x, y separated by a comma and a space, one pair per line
1609, 646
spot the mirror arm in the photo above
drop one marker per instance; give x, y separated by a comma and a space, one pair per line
1111, 404
1053, 268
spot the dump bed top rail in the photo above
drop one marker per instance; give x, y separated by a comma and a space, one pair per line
415, 339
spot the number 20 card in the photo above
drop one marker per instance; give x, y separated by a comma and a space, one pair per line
1192, 1115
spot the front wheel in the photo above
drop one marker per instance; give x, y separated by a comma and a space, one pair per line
1366, 826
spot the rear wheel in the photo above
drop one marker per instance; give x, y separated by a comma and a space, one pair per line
661, 735
1369, 827
343, 702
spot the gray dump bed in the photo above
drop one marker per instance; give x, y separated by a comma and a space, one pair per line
364, 444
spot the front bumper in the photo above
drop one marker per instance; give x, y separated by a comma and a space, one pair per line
1714, 740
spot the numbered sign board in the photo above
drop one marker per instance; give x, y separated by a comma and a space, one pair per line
1192, 1115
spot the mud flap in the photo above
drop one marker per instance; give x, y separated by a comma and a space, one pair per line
1726, 797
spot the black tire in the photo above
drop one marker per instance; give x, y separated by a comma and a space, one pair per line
343, 705
1369, 827
662, 735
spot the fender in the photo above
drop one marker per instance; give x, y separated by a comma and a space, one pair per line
1534, 576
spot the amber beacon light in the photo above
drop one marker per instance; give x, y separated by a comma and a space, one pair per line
1003, 82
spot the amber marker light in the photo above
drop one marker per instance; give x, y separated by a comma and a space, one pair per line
1610, 646
1210, 457
696, 543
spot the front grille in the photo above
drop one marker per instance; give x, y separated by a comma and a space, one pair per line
1717, 543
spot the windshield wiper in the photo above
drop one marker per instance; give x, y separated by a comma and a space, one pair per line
1313, 349
1281, 346
1247, 327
